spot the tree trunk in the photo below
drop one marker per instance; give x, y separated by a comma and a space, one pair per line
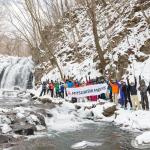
55, 59
96, 38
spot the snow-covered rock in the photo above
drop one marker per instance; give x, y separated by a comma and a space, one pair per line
6, 128
144, 138
85, 144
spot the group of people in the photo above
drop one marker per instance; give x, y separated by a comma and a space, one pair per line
56, 89
122, 91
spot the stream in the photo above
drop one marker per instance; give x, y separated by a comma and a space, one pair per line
94, 136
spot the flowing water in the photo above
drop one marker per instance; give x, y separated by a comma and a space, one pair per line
99, 136
16, 72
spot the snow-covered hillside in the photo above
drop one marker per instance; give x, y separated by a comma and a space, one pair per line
124, 40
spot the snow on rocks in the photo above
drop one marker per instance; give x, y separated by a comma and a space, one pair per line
6, 128
85, 144
4, 119
143, 138
64, 118
142, 141
133, 120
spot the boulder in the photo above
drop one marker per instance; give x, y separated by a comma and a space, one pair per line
5, 139
34, 98
23, 129
49, 115
77, 107
40, 117
73, 100
141, 58
109, 111
46, 105
19, 121
45, 100
41, 111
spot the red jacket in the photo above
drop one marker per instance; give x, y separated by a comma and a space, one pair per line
51, 86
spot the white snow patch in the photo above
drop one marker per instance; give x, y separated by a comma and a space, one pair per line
6, 128
85, 144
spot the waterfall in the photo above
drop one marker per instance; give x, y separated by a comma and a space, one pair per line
16, 72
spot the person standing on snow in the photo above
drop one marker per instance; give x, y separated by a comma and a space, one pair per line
44, 87
110, 92
133, 91
102, 81
128, 97
124, 94
51, 88
115, 91
56, 88
62, 89
143, 92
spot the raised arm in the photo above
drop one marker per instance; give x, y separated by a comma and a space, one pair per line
89, 78
110, 83
128, 81
140, 79
86, 79
135, 81
119, 84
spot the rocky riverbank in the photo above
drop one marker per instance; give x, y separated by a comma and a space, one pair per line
40, 115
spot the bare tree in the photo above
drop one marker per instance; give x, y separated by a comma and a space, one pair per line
32, 27
91, 11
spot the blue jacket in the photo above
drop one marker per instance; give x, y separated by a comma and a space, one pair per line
62, 88
70, 84
123, 91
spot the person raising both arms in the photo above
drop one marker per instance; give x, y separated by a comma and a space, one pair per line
115, 91
143, 92
133, 91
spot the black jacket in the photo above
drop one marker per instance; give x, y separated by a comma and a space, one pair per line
148, 89
132, 88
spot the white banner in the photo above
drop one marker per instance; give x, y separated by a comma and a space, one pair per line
89, 90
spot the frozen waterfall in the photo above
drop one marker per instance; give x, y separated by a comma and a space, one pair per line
16, 72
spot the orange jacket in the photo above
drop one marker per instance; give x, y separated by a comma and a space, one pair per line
115, 88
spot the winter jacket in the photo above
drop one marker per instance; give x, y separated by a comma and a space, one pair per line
62, 88
148, 89
143, 90
70, 84
44, 86
89, 82
51, 86
123, 91
76, 84
132, 88
57, 87
115, 88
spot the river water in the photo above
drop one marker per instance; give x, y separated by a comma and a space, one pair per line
106, 135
